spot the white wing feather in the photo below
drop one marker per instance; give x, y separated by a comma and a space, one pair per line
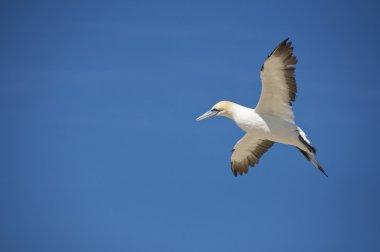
278, 83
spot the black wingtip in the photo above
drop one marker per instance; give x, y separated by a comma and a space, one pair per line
232, 169
317, 164
283, 43
322, 170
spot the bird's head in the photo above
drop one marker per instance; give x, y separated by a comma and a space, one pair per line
222, 108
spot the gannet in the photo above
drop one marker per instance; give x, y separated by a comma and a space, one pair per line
272, 121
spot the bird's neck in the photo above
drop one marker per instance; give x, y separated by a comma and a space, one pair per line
235, 110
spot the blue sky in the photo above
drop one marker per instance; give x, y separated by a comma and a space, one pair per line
101, 151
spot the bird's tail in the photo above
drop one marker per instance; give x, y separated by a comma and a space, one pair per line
311, 157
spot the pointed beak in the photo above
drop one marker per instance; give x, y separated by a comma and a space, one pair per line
207, 115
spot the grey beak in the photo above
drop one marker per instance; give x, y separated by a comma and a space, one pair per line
207, 115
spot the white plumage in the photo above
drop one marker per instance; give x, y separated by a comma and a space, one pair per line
273, 119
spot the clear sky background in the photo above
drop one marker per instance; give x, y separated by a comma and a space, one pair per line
100, 150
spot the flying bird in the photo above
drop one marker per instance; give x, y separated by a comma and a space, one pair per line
273, 118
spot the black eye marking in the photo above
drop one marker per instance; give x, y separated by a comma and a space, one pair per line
215, 110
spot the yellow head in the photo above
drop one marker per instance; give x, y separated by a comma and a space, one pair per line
222, 108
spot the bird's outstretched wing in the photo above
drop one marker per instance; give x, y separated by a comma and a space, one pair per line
278, 82
247, 152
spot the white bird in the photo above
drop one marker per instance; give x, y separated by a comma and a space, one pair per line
273, 118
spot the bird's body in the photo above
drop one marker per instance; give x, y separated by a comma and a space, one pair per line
273, 119
265, 126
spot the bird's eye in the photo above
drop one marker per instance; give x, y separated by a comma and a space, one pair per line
215, 110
